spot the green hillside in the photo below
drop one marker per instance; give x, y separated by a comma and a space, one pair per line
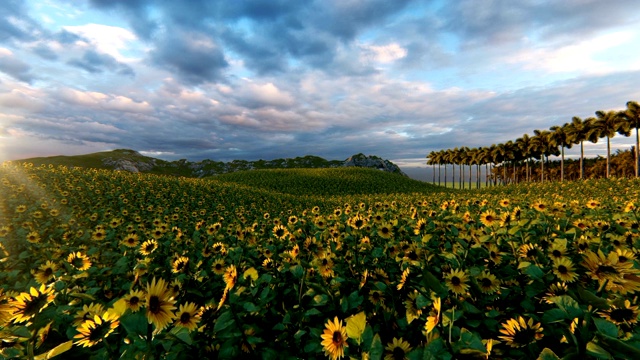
321, 182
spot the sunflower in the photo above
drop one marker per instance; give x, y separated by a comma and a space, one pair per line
397, 349
494, 254
411, 307
218, 266
134, 300
505, 219
98, 234
45, 272
529, 251
421, 225
558, 249
87, 313
79, 261
434, 316
148, 247
630, 207
488, 218
219, 248
581, 224
93, 331
357, 222
130, 240
456, 281
376, 297
325, 267
488, 283
160, 304
625, 314
384, 230
33, 237
187, 316
519, 333
403, 279
230, 276
280, 232
603, 267
539, 206
593, 204
334, 339
563, 269
179, 265
27, 304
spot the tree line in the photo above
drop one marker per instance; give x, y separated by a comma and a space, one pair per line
520, 156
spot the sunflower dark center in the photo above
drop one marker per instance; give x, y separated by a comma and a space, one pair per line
524, 337
606, 270
531, 252
154, 304
622, 315
455, 281
385, 230
398, 353
557, 253
562, 269
48, 271
622, 259
185, 317
337, 337
134, 300
486, 282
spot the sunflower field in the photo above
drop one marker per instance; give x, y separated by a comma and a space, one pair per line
314, 264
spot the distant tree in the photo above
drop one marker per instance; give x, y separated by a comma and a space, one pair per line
632, 118
606, 124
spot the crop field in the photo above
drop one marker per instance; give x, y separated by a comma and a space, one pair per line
314, 264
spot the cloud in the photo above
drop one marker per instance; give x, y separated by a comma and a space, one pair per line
15, 23
96, 63
110, 40
194, 56
15, 67
383, 53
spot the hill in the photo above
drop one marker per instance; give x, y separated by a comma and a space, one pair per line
133, 161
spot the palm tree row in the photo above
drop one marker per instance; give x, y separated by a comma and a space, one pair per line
542, 144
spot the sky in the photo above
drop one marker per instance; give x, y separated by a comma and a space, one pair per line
254, 79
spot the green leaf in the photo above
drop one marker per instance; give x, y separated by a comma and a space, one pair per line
250, 307
355, 326
469, 343
376, 350
606, 327
547, 354
312, 312
182, 334
597, 351
355, 300
320, 299
55, 351
224, 321
297, 271
534, 272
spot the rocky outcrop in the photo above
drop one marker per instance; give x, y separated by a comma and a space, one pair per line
373, 162
132, 161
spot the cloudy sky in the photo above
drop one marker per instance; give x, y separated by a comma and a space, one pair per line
261, 79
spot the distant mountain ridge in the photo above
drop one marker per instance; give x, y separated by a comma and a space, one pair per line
133, 161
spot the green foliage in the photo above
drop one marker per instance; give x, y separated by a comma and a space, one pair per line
273, 255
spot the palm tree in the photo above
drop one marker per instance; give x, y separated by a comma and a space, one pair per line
578, 130
542, 143
632, 117
561, 136
606, 124
524, 145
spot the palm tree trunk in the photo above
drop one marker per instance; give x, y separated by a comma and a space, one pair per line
637, 160
608, 155
562, 165
460, 181
439, 174
504, 173
581, 160
433, 171
469, 176
527, 169
542, 168
445, 175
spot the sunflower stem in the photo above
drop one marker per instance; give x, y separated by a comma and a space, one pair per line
150, 355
